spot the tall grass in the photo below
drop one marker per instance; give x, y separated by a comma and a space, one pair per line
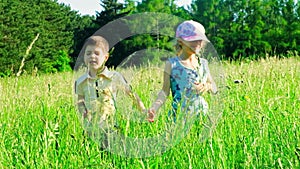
259, 127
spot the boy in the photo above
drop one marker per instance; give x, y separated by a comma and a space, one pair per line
97, 89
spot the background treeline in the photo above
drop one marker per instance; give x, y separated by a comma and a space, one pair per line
237, 29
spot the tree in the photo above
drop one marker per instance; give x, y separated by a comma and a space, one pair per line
113, 10
282, 27
22, 21
84, 29
291, 31
152, 27
214, 16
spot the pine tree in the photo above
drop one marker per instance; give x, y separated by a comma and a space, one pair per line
112, 10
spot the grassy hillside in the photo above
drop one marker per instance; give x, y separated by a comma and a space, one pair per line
259, 127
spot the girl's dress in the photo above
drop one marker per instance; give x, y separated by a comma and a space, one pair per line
184, 94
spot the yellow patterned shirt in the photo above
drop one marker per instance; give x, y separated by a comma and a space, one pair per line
99, 94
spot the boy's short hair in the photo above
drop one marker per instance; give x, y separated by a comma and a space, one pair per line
98, 41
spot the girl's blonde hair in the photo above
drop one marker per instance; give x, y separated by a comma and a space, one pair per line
178, 48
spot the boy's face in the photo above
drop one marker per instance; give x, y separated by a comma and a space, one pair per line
95, 57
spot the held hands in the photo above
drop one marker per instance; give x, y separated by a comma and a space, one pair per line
161, 98
151, 115
152, 111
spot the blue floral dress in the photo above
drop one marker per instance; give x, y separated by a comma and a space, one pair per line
184, 95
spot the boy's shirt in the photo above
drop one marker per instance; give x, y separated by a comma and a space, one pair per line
99, 94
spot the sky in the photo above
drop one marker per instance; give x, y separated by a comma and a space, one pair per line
89, 7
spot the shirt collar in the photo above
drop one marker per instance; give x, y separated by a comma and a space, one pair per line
105, 73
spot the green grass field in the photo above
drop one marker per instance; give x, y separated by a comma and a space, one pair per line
259, 128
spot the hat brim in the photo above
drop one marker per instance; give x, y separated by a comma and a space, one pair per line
195, 38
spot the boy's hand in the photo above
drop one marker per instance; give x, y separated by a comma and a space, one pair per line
142, 107
85, 114
151, 115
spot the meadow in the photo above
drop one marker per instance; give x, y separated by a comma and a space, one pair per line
259, 126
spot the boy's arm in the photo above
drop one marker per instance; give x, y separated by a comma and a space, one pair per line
78, 88
136, 99
81, 106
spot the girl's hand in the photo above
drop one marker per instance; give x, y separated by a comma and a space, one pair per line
151, 115
202, 87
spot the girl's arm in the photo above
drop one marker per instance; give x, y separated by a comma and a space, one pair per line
209, 85
163, 94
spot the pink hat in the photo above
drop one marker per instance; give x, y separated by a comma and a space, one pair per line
191, 31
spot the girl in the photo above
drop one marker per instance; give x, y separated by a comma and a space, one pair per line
187, 75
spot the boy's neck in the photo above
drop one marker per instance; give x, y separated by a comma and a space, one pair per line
94, 73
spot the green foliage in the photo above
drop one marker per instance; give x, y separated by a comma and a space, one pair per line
255, 28
244, 29
85, 28
151, 27
62, 62
112, 10
238, 29
22, 20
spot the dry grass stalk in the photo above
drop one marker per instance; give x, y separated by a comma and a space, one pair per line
26, 54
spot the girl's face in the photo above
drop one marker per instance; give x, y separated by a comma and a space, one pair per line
94, 57
192, 46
